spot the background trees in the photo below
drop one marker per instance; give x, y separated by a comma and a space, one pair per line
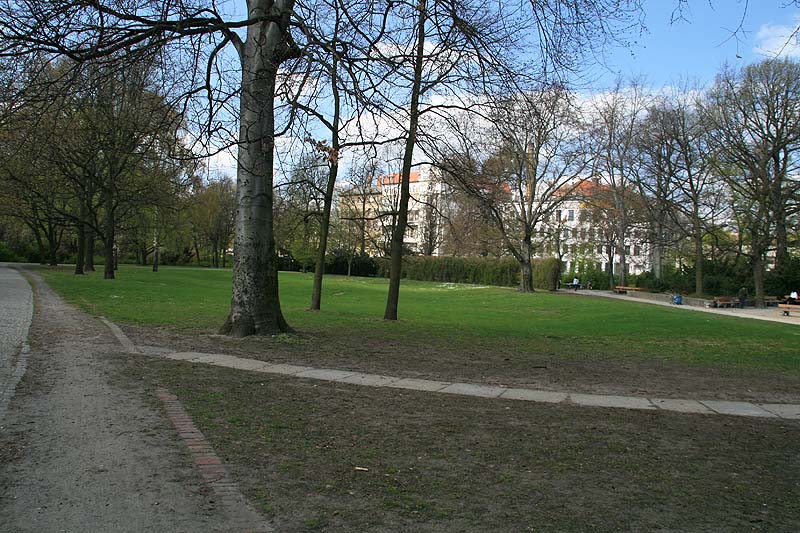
524, 166
753, 120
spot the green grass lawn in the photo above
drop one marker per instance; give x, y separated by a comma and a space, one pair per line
457, 316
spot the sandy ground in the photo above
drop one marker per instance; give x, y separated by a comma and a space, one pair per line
79, 453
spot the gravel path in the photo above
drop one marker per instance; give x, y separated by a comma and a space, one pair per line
80, 453
16, 310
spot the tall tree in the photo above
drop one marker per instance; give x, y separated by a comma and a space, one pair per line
753, 119
528, 164
617, 116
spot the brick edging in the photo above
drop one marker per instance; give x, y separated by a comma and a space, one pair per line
214, 473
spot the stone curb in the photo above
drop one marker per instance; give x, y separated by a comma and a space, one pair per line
675, 405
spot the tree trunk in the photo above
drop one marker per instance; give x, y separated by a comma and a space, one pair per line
781, 238
53, 242
698, 263
525, 267
396, 246
155, 252
108, 239
37, 235
758, 281
324, 230
255, 302
196, 249
525, 276
81, 249
90, 241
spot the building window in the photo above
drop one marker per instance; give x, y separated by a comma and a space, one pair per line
565, 234
637, 250
583, 234
572, 248
574, 233
571, 215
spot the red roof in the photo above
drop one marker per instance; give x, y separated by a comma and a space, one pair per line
394, 178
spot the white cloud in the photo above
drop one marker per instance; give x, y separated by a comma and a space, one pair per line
777, 40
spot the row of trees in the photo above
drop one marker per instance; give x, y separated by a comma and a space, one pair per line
691, 174
339, 74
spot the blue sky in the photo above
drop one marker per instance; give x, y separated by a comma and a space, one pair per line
697, 48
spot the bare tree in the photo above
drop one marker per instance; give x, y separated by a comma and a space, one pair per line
753, 119
527, 165
617, 116
676, 181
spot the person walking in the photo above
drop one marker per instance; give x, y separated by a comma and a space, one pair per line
742, 297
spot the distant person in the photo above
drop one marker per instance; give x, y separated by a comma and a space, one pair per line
589, 284
792, 299
576, 283
742, 297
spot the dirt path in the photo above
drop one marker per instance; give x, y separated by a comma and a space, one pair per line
80, 453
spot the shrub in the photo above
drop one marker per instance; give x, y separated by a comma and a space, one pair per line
546, 273
479, 270
6, 255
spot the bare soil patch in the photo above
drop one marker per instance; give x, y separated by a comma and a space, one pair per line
582, 371
334, 457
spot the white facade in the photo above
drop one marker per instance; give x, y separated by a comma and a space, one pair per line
425, 228
581, 241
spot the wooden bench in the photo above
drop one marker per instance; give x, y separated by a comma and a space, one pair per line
771, 300
785, 308
622, 289
725, 301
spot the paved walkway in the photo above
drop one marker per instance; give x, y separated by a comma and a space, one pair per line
708, 407
771, 314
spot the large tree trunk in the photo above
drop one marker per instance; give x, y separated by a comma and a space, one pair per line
396, 246
155, 251
525, 267
53, 242
525, 276
255, 303
758, 280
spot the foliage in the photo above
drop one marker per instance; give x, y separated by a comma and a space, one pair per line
785, 279
546, 273
6, 254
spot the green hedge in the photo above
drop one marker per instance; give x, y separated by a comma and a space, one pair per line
546, 273
503, 272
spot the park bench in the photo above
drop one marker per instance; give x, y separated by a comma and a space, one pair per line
771, 300
725, 301
785, 308
622, 289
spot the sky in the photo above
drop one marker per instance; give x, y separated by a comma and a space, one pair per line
697, 47
673, 53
